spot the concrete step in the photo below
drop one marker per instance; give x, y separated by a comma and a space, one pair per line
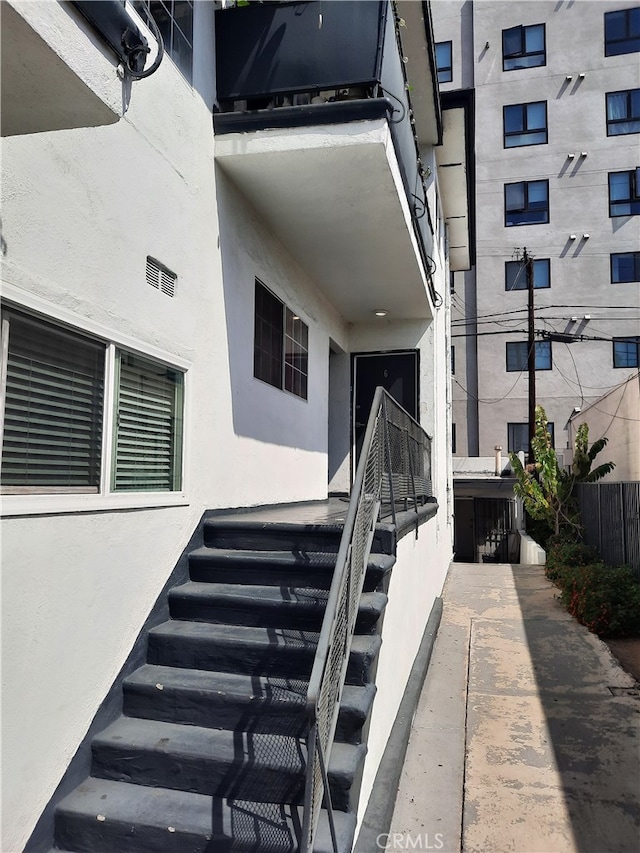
261, 605
237, 565
256, 651
242, 566
294, 537
264, 768
233, 701
102, 816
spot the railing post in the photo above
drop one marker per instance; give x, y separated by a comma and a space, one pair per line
388, 459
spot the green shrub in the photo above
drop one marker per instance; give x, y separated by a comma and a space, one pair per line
604, 598
565, 553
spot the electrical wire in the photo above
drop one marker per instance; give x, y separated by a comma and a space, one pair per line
141, 75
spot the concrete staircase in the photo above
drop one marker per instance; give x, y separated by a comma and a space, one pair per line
209, 754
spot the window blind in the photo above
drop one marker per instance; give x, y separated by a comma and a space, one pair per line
148, 426
53, 410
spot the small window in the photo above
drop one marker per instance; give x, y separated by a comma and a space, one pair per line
625, 266
281, 344
174, 19
622, 31
453, 438
526, 203
623, 112
624, 193
516, 274
525, 124
444, 65
523, 47
518, 436
148, 426
626, 352
517, 355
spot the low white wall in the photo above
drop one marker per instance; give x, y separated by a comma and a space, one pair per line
417, 579
531, 554
67, 633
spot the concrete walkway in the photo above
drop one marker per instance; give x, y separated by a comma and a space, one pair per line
526, 737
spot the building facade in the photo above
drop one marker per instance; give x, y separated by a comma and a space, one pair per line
557, 118
195, 278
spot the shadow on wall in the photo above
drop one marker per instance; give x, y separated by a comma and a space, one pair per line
260, 411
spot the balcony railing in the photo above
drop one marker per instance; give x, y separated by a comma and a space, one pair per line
394, 472
297, 64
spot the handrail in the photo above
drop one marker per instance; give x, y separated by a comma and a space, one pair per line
394, 466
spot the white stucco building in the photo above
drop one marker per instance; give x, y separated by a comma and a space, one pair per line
212, 296
557, 118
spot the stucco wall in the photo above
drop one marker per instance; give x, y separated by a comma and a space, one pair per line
617, 418
81, 210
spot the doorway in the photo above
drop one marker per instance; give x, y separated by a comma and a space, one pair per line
397, 372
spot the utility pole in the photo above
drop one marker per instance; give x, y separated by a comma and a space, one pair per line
531, 351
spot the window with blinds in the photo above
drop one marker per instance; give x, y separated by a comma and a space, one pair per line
52, 425
148, 426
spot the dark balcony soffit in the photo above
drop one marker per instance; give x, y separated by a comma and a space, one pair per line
303, 116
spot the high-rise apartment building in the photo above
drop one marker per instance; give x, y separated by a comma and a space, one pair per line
556, 87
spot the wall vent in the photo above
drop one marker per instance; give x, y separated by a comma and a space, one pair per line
161, 277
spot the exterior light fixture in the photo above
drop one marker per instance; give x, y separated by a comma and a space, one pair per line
381, 312
573, 236
570, 156
583, 153
585, 236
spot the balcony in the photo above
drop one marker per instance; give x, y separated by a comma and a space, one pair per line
59, 64
327, 117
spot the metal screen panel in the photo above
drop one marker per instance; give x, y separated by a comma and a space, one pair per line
394, 471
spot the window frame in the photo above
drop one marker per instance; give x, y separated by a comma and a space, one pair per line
635, 256
61, 502
170, 43
512, 134
538, 261
629, 118
511, 57
511, 425
291, 348
627, 342
628, 39
633, 197
526, 209
538, 346
444, 68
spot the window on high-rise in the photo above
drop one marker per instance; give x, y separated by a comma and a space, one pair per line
523, 47
526, 203
525, 124
622, 31
626, 352
623, 112
444, 65
625, 266
515, 274
517, 355
518, 436
624, 193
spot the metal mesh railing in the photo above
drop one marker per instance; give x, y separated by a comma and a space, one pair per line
393, 473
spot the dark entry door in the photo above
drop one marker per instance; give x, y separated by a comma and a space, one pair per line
397, 372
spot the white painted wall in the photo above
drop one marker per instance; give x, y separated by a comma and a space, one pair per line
81, 210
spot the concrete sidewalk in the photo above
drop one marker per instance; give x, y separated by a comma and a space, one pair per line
526, 737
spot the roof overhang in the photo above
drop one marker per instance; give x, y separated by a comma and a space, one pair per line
455, 158
333, 196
